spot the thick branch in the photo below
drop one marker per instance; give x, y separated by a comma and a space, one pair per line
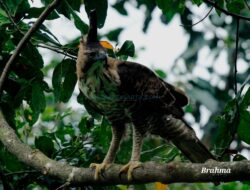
225, 11
26, 38
150, 172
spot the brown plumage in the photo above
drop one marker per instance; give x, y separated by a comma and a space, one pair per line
102, 76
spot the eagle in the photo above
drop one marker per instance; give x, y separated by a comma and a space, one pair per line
153, 107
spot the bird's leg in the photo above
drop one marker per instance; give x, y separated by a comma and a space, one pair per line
117, 134
135, 158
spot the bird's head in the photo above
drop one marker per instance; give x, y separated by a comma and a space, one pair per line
91, 50
95, 52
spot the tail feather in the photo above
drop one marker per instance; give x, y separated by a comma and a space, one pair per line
184, 138
194, 150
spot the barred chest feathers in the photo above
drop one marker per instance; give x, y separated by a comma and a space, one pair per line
98, 80
99, 90
95, 76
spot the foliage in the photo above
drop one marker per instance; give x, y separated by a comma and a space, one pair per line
39, 113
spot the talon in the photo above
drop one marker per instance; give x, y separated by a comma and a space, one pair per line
129, 168
99, 169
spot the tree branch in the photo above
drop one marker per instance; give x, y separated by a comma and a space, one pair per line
149, 172
225, 11
26, 38
57, 51
191, 25
236, 56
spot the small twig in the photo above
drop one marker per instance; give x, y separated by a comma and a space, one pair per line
235, 68
56, 50
237, 114
63, 185
191, 25
25, 39
225, 11
236, 56
21, 172
154, 149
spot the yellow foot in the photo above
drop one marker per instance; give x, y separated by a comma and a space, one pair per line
129, 168
99, 168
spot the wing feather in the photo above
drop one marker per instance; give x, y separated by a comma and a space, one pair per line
137, 79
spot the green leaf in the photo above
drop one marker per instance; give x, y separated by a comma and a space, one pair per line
23, 6
43, 28
35, 12
46, 2
63, 6
41, 37
21, 94
244, 127
64, 80
245, 100
9, 161
163, 5
31, 53
141, 187
114, 34
235, 6
38, 102
12, 6
17, 6
80, 25
82, 125
34, 95
119, 6
45, 144
220, 3
170, 8
3, 18
197, 2
167, 8
63, 130
171, 154
239, 157
25, 70
9, 46
223, 137
161, 73
76, 4
101, 7
127, 49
